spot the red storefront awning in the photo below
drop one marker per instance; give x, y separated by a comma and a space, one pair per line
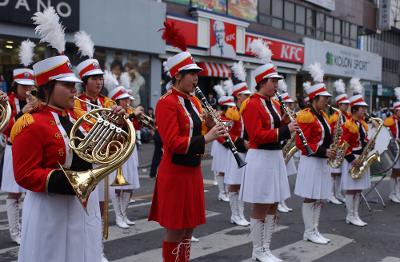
214, 70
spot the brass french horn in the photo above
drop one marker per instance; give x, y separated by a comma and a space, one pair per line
5, 115
107, 145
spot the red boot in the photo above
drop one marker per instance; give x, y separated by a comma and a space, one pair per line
170, 251
184, 254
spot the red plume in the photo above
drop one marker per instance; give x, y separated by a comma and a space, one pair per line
173, 36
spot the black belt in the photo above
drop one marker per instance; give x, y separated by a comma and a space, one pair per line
9, 143
270, 146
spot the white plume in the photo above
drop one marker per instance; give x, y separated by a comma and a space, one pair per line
228, 86
306, 84
84, 43
49, 29
356, 86
316, 72
26, 52
339, 86
125, 80
397, 93
261, 50
282, 86
110, 81
239, 71
219, 90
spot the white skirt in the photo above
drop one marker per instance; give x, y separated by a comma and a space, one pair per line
220, 157
265, 180
291, 167
349, 183
8, 183
313, 178
337, 170
56, 228
233, 174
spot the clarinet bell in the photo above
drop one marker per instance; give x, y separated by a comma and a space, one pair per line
309, 150
240, 162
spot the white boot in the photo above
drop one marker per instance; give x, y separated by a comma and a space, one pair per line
233, 202
241, 212
269, 227
126, 196
222, 196
116, 201
356, 207
317, 213
309, 230
393, 195
283, 203
12, 206
338, 188
333, 199
350, 218
257, 237
282, 209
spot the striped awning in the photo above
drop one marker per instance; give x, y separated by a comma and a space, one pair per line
214, 70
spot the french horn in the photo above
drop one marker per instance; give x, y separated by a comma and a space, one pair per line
5, 115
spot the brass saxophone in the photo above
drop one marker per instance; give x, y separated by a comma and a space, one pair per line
341, 148
358, 171
289, 149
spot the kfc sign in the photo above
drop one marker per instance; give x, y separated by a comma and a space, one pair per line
222, 39
281, 51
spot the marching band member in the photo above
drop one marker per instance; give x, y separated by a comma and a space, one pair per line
90, 73
55, 227
290, 166
313, 181
355, 133
219, 151
233, 174
22, 85
178, 200
264, 183
342, 103
121, 196
393, 123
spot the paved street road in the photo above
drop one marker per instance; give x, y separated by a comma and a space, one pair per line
222, 241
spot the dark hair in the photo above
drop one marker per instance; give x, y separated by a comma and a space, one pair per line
183, 73
355, 108
45, 91
258, 86
13, 87
116, 63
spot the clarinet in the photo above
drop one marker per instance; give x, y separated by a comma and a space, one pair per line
299, 132
240, 162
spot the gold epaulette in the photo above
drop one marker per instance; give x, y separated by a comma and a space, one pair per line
351, 126
198, 102
365, 125
166, 94
389, 121
325, 115
78, 112
108, 103
305, 116
243, 105
334, 117
77, 104
22, 122
232, 113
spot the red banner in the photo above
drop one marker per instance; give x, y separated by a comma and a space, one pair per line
222, 39
282, 51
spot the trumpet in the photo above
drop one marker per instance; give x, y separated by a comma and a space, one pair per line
240, 162
144, 119
292, 118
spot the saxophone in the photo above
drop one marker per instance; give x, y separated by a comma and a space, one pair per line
340, 148
289, 149
366, 160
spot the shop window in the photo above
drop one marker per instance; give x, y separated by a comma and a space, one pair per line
337, 30
353, 32
264, 12
320, 26
289, 16
300, 19
277, 13
310, 22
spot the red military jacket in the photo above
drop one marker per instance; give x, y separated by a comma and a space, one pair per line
259, 122
16, 108
101, 101
334, 118
393, 124
352, 135
135, 121
314, 132
176, 129
40, 144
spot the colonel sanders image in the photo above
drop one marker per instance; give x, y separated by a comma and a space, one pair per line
221, 48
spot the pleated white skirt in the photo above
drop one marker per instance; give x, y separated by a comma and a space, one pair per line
349, 183
313, 178
234, 174
291, 167
265, 178
220, 157
8, 183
